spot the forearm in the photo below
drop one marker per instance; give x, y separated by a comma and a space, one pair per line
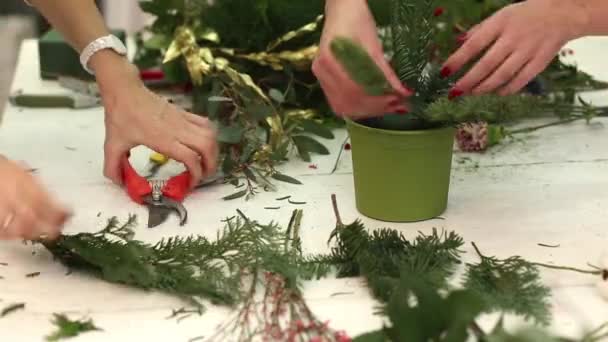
596, 17
80, 22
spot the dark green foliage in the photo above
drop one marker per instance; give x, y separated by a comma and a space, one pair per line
412, 31
251, 25
385, 256
67, 328
191, 267
489, 108
360, 66
510, 285
418, 312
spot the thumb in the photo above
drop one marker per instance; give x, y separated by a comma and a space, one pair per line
111, 164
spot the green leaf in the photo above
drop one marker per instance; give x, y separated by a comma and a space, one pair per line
375, 336
284, 178
250, 174
276, 95
212, 105
306, 144
316, 128
157, 42
259, 110
230, 134
67, 328
235, 195
228, 165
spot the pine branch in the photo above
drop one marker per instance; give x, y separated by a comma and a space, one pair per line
510, 285
186, 266
412, 31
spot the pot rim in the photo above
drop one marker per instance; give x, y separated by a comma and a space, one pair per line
395, 132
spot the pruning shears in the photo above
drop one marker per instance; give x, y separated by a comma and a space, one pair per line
161, 196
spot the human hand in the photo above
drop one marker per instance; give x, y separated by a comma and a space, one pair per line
27, 211
521, 40
135, 116
353, 19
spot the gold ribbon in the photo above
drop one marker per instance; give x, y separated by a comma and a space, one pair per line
201, 61
306, 29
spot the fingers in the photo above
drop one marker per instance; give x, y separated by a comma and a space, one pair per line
504, 74
345, 97
31, 215
197, 120
476, 41
529, 71
203, 143
113, 153
486, 66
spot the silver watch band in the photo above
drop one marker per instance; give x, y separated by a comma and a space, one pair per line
106, 42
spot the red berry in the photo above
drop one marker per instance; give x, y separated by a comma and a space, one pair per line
438, 11
347, 147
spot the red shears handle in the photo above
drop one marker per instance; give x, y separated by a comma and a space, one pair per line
138, 187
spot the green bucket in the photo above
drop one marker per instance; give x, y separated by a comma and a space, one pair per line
401, 176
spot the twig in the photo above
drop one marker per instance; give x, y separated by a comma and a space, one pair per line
535, 128
32, 275
563, 268
334, 203
283, 198
339, 154
296, 203
12, 308
272, 208
548, 246
566, 268
197, 338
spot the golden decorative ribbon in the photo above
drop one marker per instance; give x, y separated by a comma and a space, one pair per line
201, 61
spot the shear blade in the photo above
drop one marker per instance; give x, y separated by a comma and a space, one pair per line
158, 215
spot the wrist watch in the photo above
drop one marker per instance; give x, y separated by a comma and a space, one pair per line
107, 42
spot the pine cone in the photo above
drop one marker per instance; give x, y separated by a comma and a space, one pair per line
472, 137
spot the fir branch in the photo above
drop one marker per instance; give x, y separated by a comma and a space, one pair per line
510, 285
385, 255
67, 328
412, 31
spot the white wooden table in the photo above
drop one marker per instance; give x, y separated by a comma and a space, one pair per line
552, 188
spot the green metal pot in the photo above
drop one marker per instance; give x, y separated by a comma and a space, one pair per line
401, 175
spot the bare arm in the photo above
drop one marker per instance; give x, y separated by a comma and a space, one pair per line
134, 115
80, 22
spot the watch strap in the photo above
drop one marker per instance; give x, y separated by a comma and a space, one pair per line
106, 42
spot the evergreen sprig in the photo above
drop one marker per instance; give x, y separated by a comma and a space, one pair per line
384, 256
510, 285
68, 328
192, 267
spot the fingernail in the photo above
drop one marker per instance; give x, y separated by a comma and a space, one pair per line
445, 72
461, 38
454, 93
